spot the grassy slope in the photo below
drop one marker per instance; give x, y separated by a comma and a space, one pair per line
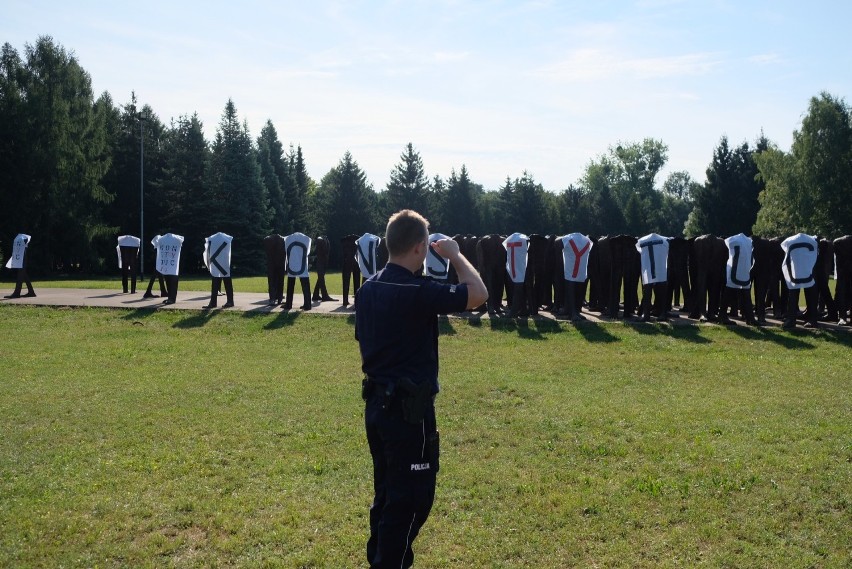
190, 440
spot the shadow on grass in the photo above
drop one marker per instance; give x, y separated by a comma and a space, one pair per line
475, 321
842, 337
792, 340
196, 320
547, 326
521, 326
595, 333
445, 327
645, 328
686, 332
139, 313
282, 319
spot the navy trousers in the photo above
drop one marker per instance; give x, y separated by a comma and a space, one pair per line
405, 464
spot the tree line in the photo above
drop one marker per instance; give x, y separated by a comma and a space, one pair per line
73, 169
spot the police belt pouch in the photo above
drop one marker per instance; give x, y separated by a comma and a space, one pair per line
415, 399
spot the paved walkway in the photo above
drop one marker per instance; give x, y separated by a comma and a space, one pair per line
187, 300
245, 302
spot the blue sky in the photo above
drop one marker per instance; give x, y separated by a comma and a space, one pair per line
502, 87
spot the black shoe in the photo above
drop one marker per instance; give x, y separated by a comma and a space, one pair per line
228, 305
810, 324
148, 295
30, 294
12, 296
208, 306
286, 306
306, 307
328, 299
167, 302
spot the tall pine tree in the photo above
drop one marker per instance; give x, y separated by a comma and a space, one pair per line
297, 189
126, 125
277, 177
191, 208
727, 204
459, 207
345, 204
60, 155
239, 193
408, 187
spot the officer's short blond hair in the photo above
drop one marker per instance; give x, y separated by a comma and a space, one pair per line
406, 228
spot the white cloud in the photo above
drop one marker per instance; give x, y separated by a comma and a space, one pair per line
765, 58
592, 64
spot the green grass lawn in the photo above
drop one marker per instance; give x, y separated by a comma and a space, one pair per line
188, 439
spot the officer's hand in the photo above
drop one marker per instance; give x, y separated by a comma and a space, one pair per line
447, 248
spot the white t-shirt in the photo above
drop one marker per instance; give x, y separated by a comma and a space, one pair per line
575, 255
434, 265
366, 253
129, 241
168, 253
654, 253
800, 255
297, 246
126, 241
738, 268
217, 254
19, 249
516, 245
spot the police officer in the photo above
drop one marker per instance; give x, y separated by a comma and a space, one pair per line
396, 325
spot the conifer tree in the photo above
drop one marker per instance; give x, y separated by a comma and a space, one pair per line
408, 187
125, 125
276, 175
297, 189
459, 209
239, 193
345, 204
57, 156
190, 208
727, 203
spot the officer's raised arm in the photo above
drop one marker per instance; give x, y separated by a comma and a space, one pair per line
477, 294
